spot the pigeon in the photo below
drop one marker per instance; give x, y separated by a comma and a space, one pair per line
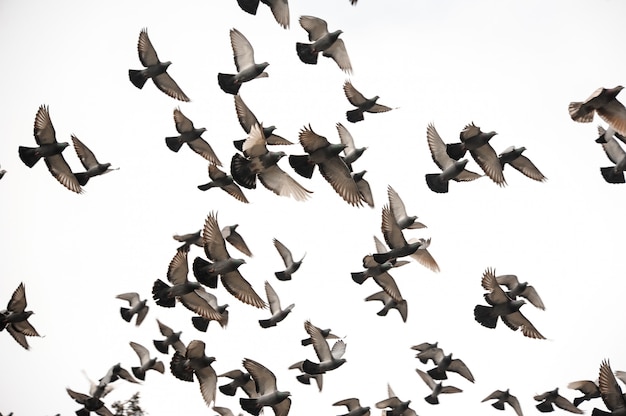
501, 305
171, 338
280, 9
513, 156
437, 388
247, 69
192, 136
523, 289
394, 238
350, 151
90, 163
50, 150
90, 404
588, 388
268, 393
361, 103
603, 135
15, 318
397, 407
278, 313
326, 333
201, 323
239, 380
305, 378
225, 182
399, 211
425, 352
325, 155
611, 393
247, 119
477, 142
154, 69
235, 239
195, 361
354, 407
451, 169
617, 155
189, 239
224, 411
330, 359
2, 172
365, 191
115, 373
260, 163
146, 362
445, 363
291, 266
550, 398
137, 308
504, 397
389, 303
323, 41
604, 102
374, 269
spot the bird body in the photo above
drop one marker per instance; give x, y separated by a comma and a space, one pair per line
247, 68
268, 393
502, 397
146, 363
278, 313
361, 103
195, 361
513, 156
291, 266
550, 398
225, 182
89, 162
436, 388
604, 102
192, 136
15, 318
171, 338
138, 307
617, 155
354, 407
323, 41
330, 359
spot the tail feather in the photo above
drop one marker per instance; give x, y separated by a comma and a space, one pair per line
302, 165
250, 405
137, 78
498, 405
125, 312
437, 374
283, 276
483, 315
310, 367
29, 155
436, 184
173, 143
455, 150
227, 83
200, 323
241, 172
578, 400
359, 277
139, 373
203, 276
266, 323
611, 175
577, 114
82, 178
228, 389
545, 407
159, 294
248, 6
432, 399
161, 346
239, 144
304, 379
306, 342
355, 115
206, 186
598, 412
306, 53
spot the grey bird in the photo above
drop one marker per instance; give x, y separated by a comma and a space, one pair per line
225, 182
361, 103
240, 380
502, 397
477, 142
389, 303
604, 102
247, 120
305, 378
354, 407
450, 169
195, 361
154, 69
617, 155
365, 191
200, 322
146, 362
138, 307
350, 151
396, 406
611, 393
279, 8
588, 388
189, 239
325, 155
394, 238
89, 162
373, 268
247, 68
330, 359
258, 162
15, 318
278, 313
171, 339
445, 363
268, 393
552, 398
50, 150
235, 239
291, 265
192, 136
424, 353
523, 289
513, 156
436, 388
399, 212
224, 411
326, 333
501, 305
90, 404
328, 43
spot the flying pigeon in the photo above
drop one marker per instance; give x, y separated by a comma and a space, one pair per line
247, 69
617, 155
15, 318
513, 156
280, 9
354, 407
611, 393
50, 150
192, 136
389, 303
502, 397
189, 239
361, 103
323, 41
154, 69
225, 182
424, 353
195, 361
171, 338
115, 373
550, 398
374, 269
95, 390
603, 135
523, 289
90, 404
200, 322
588, 388
305, 378
399, 211
247, 119
445, 363
394, 238
278, 313
291, 266
239, 380
268, 393
397, 407
604, 102
137, 308
90, 163
235, 239
477, 142
146, 363
350, 151
330, 359
436, 388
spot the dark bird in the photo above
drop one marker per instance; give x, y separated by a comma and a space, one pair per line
361, 103
146, 363
189, 239
138, 307
523, 289
513, 156
611, 393
89, 162
323, 41
588, 388
154, 69
389, 303
2, 173
171, 338
192, 136
330, 359
223, 181
280, 9
247, 69
445, 363
195, 361
617, 155
374, 269
396, 406
399, 211
436, 388
550, 398
90, 404
15, 318
354, 407
291, 266
424, 353
50, 150
239, 380
278, 313
247, 119
394, 238
604, 102
502, 397
268, 393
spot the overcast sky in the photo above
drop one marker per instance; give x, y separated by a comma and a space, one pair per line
508, 66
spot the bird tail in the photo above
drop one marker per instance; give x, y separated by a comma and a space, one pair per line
227, 83
29, 155
577, 114
498, 405
173, 143
266, 323
302, 165
359, 277
228, 389
310, 367
125, 312
137, 77
611, 175
578, 400
82, 178
380, 258
161, 346
139, 373
250, 405
159, 294
248, 6
179, 369
455, 150
437, 374
200, 323
432, 399
283, 276
206, 186
483, 315
203, 276
545, 407
354, 115
598, 412
239, 144
436, 184
304, 378
306, 342
83, 412
241, 172
306, 53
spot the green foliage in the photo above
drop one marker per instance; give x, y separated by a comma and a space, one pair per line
129, 407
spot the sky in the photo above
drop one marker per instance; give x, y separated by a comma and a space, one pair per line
508, 66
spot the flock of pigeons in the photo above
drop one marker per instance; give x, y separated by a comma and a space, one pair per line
254, 160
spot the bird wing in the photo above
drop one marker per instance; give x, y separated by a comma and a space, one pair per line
533, 297
353, 95
208, 383
204, 149
490, 284
142, 352
437, 148
338, 52
458, 366
614, 113
346, 138
609, 389
166, 84
165, 330
280, 10
426, 259
240, 288
338, 349
613, 150
242, 50
284, 253
214, 244
528, 168
279, 182
427, 379
255, 144
236, 240
512, 400
178, 268
337, 173
246, 117
86, 156
44, 130
319, 342
183, 124
17, 303
131, 297
388, 284
147, 54
198, 304
391, 230
62, 172
311, 141
508, 280
18, 336
315, 26
272, 298
378, 108
282, 408
517, 320
565, 404
264, 379
488, 160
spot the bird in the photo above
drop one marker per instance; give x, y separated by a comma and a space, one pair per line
330, 358
477, 142
192, 136
617, 155
523, 289
15, 318
154, 69
399, 212
171, 338
361, 103
502, 397
424, 353
89, 162
189, 239
501, 305
278, 313
350, 151
201, 323
279, 8
146, 363
50, 150
354, 407
611, 393
239, 380
450, 168
305, 378
291, 266
258, 162
552, 397
195, 361
602, 101
588, 388
436, 388
268, 393
323, 41
445, 363
247, 119
235, 239
604, 134
138, 307
513, 156
389, 303
326, 333
114, 373
90, 404
397, 406
95, 390
394, 238
225, 182
247, 68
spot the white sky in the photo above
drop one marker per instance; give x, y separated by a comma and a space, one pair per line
509, 66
